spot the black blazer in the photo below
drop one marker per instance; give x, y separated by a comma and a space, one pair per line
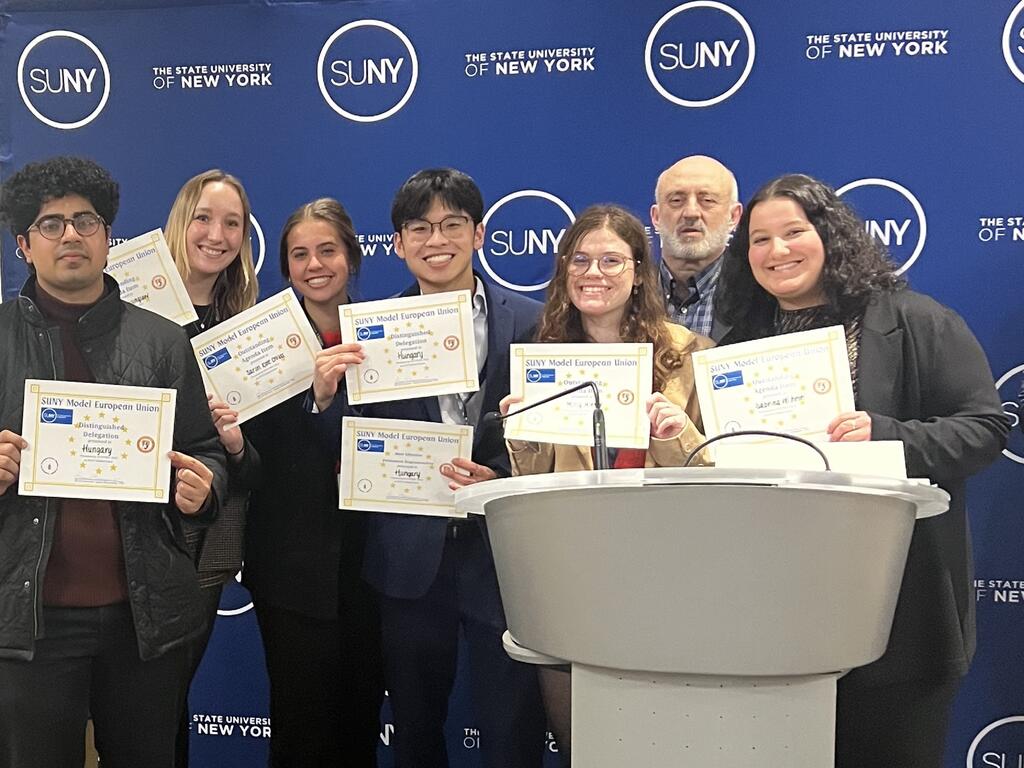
924, 379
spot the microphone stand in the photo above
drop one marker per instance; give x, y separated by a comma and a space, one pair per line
600, 437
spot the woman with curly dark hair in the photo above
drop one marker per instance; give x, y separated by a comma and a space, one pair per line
801, 259
606, 290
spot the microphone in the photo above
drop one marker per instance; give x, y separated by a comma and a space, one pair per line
600, 442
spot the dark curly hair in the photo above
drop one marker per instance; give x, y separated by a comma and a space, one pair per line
644, 320
24, 193
856, 266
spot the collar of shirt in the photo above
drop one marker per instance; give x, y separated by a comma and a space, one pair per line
701, 284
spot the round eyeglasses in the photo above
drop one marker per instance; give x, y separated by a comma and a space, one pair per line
52, 227
419, 230
609, 264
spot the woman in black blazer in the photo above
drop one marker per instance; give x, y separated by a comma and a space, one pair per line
801, 259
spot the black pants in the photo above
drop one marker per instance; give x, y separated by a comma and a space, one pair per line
326, 686
421, 642
196, 649
894, 725
89, 662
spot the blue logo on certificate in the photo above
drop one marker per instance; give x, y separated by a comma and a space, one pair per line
370, 446
220, 356
726, 380
369, 332
56, 415
540, 375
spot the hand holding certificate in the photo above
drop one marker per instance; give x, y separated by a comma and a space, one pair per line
623, 372
796, 383
395, 465
415, 346
260, 357
97, 441
147, 276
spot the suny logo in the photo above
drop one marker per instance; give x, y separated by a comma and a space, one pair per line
64, 79
1013, 41
892, 215
523, 230
367, 70
1009, 385
998, 745
699, 53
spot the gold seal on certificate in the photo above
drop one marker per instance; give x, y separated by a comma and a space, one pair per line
145, 271
260, 357
623, 372
795, 383
415, 346
96, 441
394, 465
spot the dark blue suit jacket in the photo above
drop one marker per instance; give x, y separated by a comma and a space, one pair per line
403, 552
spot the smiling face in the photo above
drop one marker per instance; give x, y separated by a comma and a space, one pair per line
786, 254
214, 235
317, 263
600, 297
444, 260
70, 268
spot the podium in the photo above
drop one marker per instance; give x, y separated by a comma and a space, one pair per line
707, 613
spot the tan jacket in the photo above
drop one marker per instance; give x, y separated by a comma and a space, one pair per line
537, 458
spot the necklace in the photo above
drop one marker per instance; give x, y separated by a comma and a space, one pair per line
204, 317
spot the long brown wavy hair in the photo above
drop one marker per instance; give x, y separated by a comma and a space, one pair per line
644, 319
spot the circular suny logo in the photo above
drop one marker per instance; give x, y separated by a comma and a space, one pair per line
49, 415
367, 70
892, 215
1009, 386
261, 242
235, 599
699, 53
522, 233
64, 79
998, 744
1013, 41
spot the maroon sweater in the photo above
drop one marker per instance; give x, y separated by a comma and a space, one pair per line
86, 565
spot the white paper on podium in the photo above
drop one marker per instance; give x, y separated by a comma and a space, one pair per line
879, 458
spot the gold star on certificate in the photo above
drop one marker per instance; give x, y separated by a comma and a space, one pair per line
124, 428
82, 465
74, 453
99, 470
124, 456
116, 419
103, 414
408, 325
87, 417
71, 440
113, 467
128, 441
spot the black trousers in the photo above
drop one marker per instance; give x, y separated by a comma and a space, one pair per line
421, 643
88, 662
904, 724
326, 686
196, 650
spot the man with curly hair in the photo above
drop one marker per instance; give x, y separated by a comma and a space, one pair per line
98, 599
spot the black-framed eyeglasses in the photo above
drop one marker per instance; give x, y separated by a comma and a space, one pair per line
52, 227
420, 230
609, 264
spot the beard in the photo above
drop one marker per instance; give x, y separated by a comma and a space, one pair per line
712, 244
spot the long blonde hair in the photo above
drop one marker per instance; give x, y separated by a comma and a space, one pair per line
236, 288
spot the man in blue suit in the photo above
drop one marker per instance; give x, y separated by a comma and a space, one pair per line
435, 575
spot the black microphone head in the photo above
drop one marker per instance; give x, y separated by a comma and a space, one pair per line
489, 420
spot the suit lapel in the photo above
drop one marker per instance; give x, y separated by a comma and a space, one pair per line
500, 329
879, 357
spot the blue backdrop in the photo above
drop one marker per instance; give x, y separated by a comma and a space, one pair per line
914, 109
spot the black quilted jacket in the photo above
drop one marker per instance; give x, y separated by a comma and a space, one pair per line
122, 344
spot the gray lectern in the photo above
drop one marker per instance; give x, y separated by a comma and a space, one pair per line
707, 613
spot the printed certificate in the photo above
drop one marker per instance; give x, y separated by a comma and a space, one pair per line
96, 441
144, 268
260, 357
795, 383
394, 465
416, 346
624, 373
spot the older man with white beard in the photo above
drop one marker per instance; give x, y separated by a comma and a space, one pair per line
695, 211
